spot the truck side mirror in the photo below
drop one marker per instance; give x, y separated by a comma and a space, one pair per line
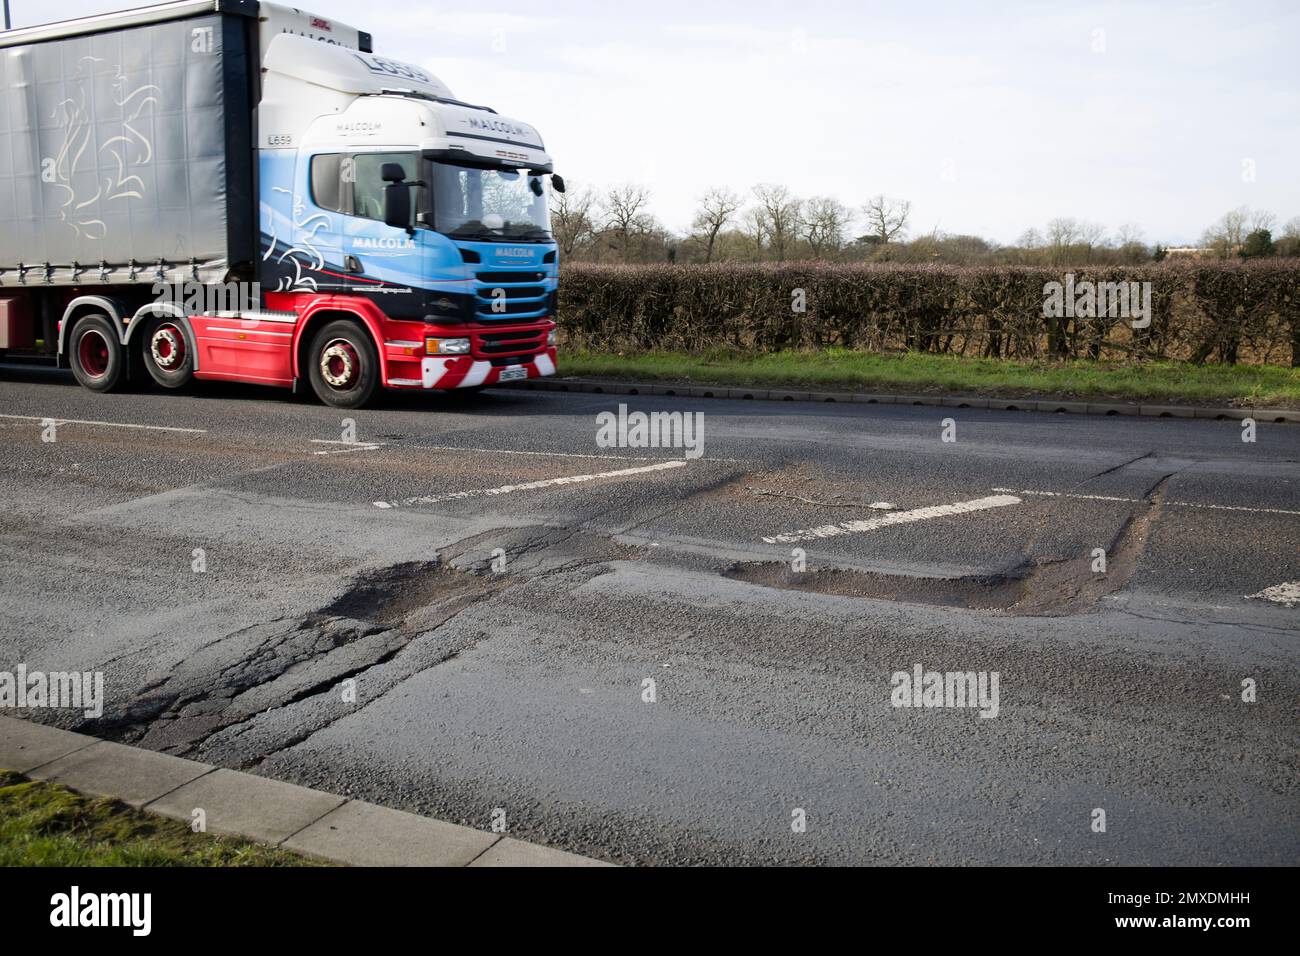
397, 202
392, 173
557, 183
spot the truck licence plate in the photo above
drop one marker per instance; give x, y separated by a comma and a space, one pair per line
513, 373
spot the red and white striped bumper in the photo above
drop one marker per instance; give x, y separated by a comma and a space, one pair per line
464, 371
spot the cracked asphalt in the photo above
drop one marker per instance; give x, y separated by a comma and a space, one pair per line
480, 645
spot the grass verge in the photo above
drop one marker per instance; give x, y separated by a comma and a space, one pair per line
43, 824
834, 369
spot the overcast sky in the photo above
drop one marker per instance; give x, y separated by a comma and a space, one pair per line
989, 117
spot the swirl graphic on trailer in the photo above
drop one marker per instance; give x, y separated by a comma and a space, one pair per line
313, 224
131, 148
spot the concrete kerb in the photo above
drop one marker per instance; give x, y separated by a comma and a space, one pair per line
601, 386
306, 821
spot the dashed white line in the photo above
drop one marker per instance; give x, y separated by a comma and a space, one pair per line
1168, 504
78, 421
1287, 593
352, 446
897, 517
539, 454
554, 454
532, 485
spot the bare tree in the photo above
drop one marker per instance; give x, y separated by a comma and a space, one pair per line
1091, 235
754, 227
824, 223
1030, 239
1062, 233
1228, 233
718, 207
572, 219
886, 218
780, 211
1261, 219
624, 214
1132, 244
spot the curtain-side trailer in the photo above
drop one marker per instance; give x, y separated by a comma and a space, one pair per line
233, 190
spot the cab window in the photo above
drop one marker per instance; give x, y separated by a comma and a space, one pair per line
368, 185
351, 184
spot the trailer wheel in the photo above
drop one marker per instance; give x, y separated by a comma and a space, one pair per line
344, 367
98, 360
166, 353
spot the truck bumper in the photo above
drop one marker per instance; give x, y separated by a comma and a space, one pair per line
466, 371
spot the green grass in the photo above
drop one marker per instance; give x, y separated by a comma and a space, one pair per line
43, 824
1163, 382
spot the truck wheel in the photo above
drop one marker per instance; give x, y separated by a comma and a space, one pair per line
167, 356
98, 361
344, 367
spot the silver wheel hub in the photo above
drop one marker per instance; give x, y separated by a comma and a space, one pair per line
168, 352
338, 365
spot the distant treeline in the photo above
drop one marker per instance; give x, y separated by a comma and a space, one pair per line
771, 224
1200, 310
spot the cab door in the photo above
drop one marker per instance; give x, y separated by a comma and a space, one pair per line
385, 263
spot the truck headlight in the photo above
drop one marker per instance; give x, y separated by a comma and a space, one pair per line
550, 337
434, 346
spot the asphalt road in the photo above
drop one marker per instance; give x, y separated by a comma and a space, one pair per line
349, 630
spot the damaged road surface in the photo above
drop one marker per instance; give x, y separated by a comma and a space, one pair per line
655, 660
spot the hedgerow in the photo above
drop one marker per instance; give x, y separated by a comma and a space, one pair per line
1201, 310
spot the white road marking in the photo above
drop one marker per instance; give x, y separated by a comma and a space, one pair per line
555, 454
352, 446
1168, 504
1286, 593
532, 485
539, 454
897, 517
77, 421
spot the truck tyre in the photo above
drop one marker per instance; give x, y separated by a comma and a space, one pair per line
166, 353
97, 358
343, 365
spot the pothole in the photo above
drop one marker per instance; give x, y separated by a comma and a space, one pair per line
984, 593
1040, 588
392, 593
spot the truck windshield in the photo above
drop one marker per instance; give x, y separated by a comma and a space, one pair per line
489, 204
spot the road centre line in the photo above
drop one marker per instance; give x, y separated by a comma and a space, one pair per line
893, 518
555, 454
78, 421
352, 446
532, 485
1168, 504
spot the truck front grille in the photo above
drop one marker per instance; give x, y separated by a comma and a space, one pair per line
520, 297
510, 348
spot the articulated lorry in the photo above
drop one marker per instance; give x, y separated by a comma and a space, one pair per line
240, 191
